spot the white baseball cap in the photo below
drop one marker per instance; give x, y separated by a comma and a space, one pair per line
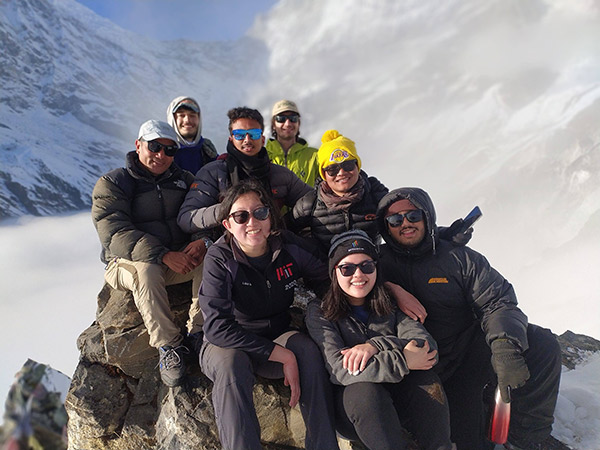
156, 129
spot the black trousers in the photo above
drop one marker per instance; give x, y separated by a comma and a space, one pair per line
532, 407
379, 413
233, 374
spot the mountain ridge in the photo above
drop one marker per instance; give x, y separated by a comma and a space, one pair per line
79, 86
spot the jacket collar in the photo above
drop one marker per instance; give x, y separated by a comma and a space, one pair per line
274, 242
137, 170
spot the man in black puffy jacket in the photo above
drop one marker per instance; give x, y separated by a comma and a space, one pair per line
135, 214
471, 311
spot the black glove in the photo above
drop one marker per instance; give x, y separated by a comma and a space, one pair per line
509, 365
455, 233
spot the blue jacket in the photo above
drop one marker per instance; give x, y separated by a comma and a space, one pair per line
193, 157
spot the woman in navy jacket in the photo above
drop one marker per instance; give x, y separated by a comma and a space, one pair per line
248, 287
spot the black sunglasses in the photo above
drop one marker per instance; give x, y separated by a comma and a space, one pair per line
349, 165
282, 118
395, 220
367, 267
241, 217
156, 147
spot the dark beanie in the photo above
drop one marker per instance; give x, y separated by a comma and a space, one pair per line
347, 243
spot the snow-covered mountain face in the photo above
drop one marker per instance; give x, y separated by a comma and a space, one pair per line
492, 103
75, 89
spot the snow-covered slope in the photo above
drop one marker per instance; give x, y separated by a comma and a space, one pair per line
74, 89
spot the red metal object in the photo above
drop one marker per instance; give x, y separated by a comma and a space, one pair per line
499, 420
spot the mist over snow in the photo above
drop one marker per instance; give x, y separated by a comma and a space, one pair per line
491, 103
50, 275
488, 103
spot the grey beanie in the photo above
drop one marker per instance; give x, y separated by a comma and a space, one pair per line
347, 243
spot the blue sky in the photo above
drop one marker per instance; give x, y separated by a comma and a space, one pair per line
198, 20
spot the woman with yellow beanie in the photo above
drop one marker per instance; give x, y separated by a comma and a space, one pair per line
346, 198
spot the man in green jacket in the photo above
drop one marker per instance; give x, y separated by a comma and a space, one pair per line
286, 147
134, 210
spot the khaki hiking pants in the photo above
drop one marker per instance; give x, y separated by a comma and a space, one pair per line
147, 282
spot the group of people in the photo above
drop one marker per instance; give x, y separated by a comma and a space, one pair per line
409, 328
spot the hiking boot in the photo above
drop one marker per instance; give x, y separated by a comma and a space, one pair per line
171, 365
550, 443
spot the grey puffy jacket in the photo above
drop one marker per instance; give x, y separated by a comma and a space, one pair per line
389, 334
323, 223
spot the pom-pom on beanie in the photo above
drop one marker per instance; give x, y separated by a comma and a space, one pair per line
348, 243
335, 149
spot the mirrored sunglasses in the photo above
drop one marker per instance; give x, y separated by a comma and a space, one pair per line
349, 165
241, 217
156, 147
367, 267
240, 135
282, 118
395, 220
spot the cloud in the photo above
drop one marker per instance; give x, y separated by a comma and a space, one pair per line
50, 273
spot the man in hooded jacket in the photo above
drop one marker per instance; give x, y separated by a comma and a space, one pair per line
185, 116
483, 337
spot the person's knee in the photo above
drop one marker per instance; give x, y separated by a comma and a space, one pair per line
304, 348
149, 273
231, 367
359, 397
544, 348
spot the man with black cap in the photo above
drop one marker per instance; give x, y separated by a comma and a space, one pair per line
471, 311
184, 115
134, 210
286, 147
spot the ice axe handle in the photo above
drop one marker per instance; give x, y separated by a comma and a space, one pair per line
499, 419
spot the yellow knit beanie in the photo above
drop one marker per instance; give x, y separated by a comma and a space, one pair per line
335, 149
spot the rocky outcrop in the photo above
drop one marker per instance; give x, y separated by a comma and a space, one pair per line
117, 401
576, 348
